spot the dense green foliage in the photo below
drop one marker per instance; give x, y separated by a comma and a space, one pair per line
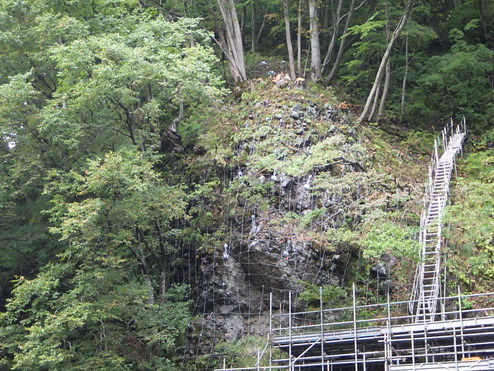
118, 161
472, 223
89, 95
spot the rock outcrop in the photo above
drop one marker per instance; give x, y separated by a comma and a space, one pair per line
298, 172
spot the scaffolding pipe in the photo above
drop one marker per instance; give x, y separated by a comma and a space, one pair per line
388, 355
290, 327
355, 328
322, 328
461, 324
270, 327
455, 344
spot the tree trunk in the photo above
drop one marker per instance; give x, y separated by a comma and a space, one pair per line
404, 83
299, 38
315, 49
387, 53
253, 28
243, 18
261, 29
376, 98
336, 23
341, 49
387, 81
291, 62
387, 72
234, 50
483, 21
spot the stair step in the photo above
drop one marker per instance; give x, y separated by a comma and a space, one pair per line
430, 236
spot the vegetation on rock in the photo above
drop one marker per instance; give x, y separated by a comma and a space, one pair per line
147, 213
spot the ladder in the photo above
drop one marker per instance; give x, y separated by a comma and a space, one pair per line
427, 285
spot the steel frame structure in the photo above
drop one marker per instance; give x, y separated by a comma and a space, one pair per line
383, 337
410, 335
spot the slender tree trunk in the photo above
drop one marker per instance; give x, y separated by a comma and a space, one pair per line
483, 22
299, 38
291, 62
336, 23
384, 60
376, 98
221, 43
384, 95
325, 9
243, 18
315, 49
404, 83
253, 29
387, 72
234, 51
341, 49
162, 288
261, 29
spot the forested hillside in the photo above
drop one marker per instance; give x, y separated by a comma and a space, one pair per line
165, 165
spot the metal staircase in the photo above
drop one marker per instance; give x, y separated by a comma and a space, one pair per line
383, 336
427, 286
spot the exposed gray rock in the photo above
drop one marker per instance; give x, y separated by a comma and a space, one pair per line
295, 115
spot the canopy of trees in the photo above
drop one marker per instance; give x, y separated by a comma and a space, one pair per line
100, 98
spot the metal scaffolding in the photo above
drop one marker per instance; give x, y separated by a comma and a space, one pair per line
383, 337
427, 284
410, 335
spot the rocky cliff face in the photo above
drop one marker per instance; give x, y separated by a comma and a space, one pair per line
297, 179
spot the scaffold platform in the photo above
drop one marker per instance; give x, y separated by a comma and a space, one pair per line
427, 332
463, 339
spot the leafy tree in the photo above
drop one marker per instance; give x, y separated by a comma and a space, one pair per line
108, 303
88, 104
107, 91
455, 84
